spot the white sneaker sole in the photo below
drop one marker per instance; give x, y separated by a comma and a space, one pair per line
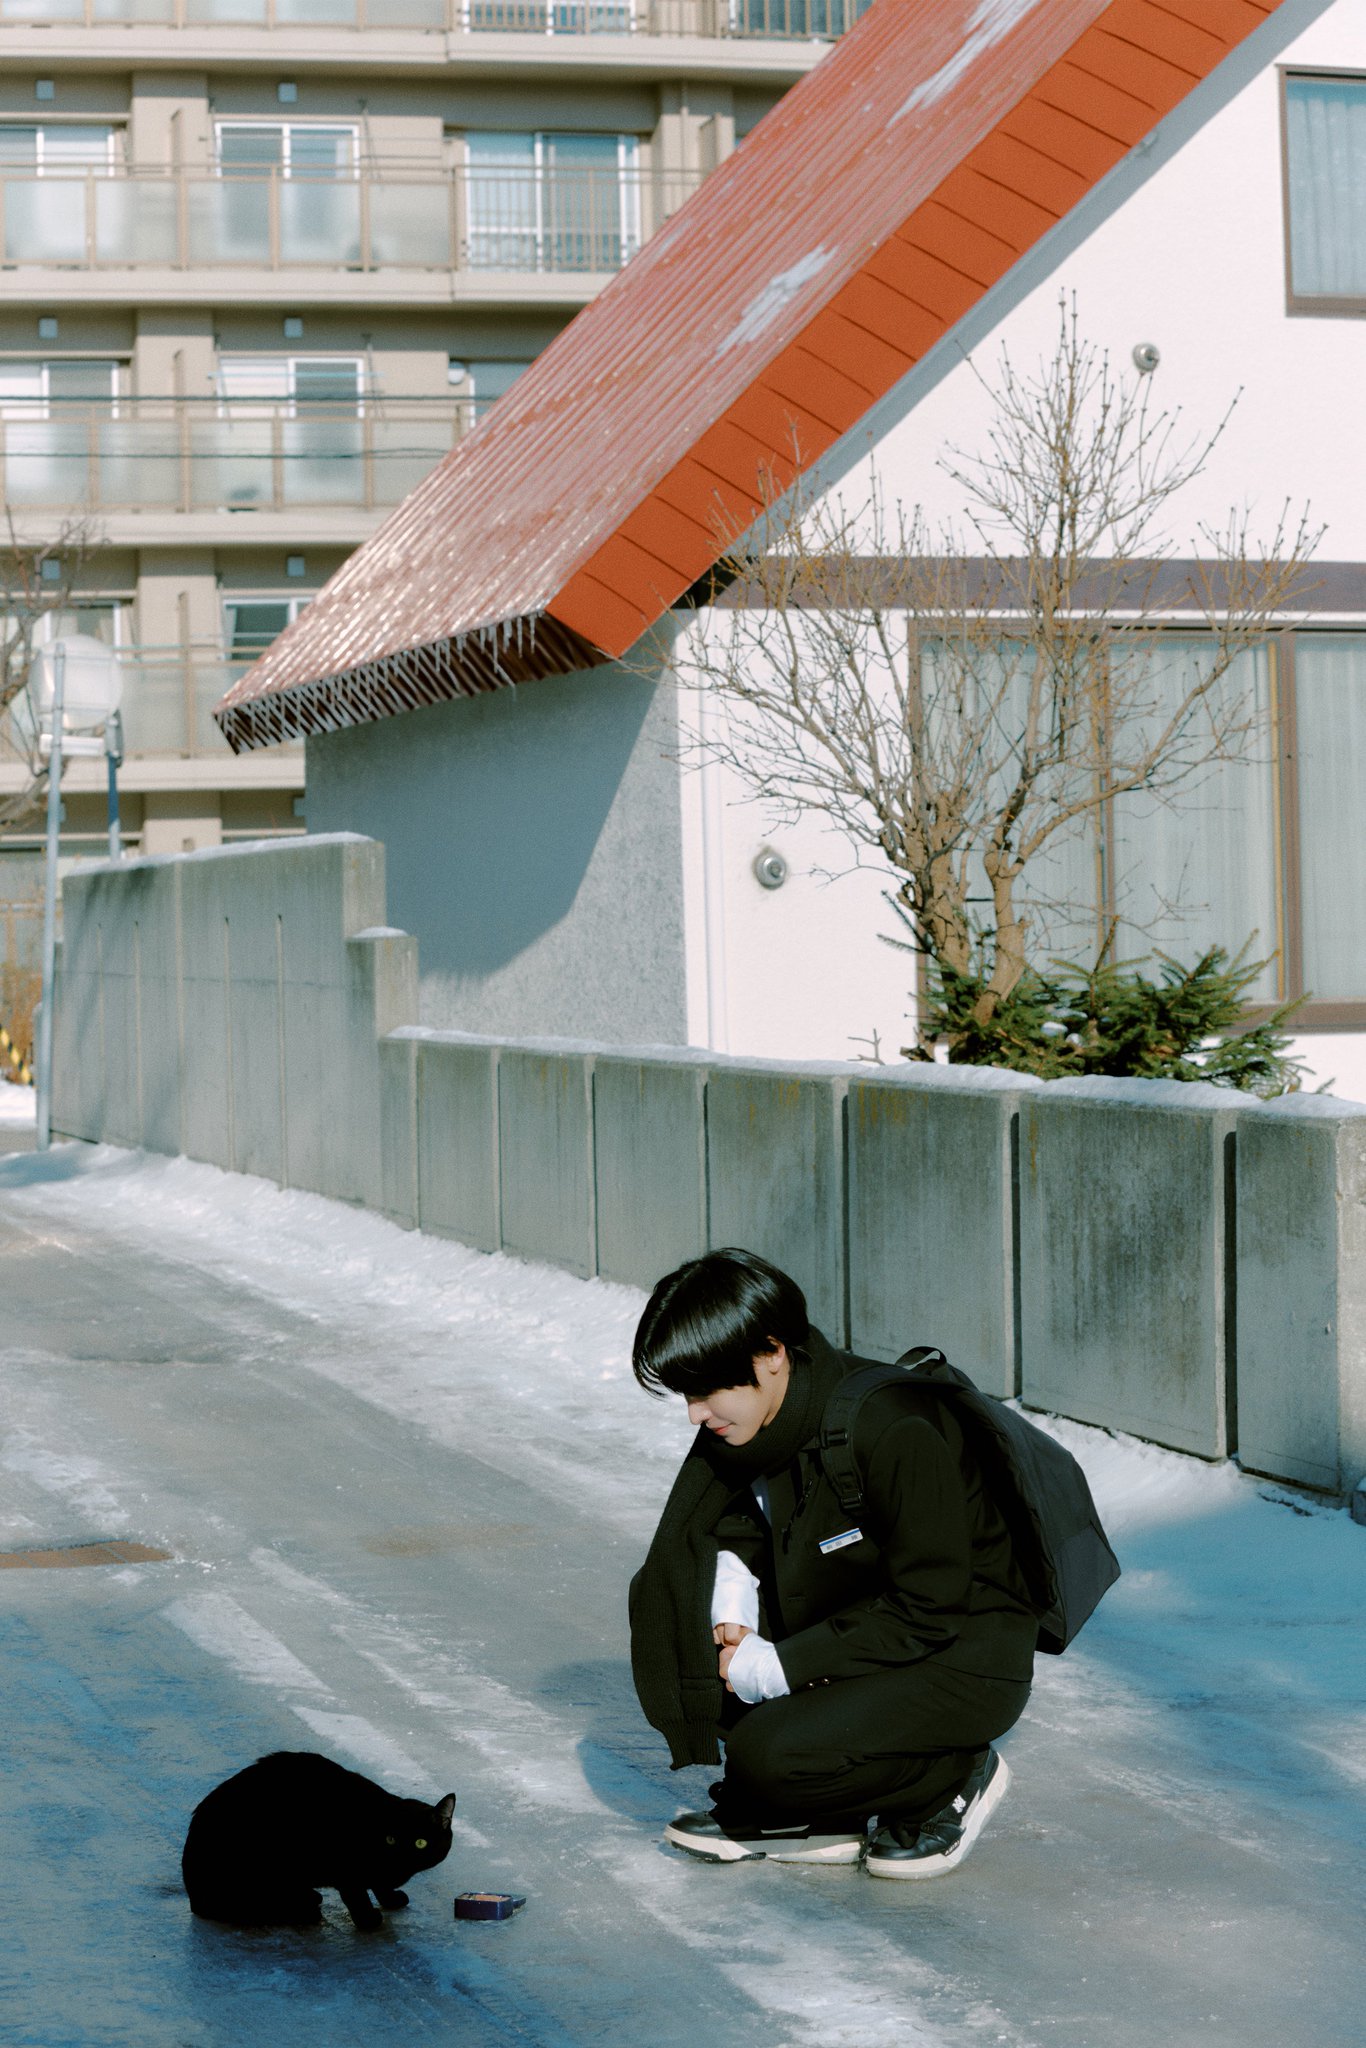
809, 1849
943, 1866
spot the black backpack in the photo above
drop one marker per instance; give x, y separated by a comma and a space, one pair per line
1039, 1487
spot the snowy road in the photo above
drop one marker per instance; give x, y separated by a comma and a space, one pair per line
403, 1487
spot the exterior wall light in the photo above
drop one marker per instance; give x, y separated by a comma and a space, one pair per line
44, 88
296, 565
770, 869
287, 93
1147, 356
47, 327
294, 327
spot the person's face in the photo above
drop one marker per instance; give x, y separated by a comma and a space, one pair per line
737, 1414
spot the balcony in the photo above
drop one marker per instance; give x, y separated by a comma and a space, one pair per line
168, 699
210, 455
385, 218
733, 19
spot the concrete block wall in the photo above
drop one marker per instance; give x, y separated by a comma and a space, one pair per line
1124, 1203
931, 1216
231, 1005
1300, 1299
1168, 1259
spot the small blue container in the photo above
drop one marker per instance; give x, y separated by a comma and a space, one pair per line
486, 1905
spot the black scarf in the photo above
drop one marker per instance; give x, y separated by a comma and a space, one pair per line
673, 1657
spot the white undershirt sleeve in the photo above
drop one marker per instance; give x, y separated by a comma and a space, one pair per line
735, 1595
756, 1672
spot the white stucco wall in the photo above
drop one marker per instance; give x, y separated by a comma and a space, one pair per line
1193, 261
798, 972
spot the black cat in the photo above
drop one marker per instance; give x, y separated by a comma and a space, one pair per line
261, 1843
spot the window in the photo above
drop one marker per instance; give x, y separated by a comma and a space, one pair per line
53, 431
1195, 868
1325, 147
252, 386
482, 383
1198, 868
103, 620
795, 17
296, 433
251, 623
552, 202
288, 191
45, 219
1330, 802
554, 17
39, 390
288, 149
55, 151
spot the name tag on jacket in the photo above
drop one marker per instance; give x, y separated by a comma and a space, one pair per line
841, 1542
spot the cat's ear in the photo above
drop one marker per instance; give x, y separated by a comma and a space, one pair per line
446, 1809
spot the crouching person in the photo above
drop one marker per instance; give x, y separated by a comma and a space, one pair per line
858, 1645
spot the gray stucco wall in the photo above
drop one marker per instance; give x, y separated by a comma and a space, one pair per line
534, 848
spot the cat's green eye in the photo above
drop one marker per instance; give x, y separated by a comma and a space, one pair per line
390, 1840
421, 1842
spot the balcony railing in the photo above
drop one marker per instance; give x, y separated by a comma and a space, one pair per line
468, 219
168, 699
159, 455
727, 18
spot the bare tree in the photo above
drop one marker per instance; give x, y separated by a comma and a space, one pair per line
962, 703
38, 578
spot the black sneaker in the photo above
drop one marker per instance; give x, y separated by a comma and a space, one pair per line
702, 1834
938, 1845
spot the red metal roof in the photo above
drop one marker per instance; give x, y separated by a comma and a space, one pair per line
877, 203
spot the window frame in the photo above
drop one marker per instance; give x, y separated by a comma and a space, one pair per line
294, 603
235, 408
1300, 306
541, 232
1287, 864
42, 403
236, 123
113, 135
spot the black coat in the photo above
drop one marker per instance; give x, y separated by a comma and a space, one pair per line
932, 1573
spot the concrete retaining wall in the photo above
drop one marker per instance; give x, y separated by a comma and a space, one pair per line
230, 1005
1172, 1260
1124, 1229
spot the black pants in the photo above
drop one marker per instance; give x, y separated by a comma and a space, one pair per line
900, 1744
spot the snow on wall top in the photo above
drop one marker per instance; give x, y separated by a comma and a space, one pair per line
883, 197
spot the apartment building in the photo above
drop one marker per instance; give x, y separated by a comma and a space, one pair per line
264, 261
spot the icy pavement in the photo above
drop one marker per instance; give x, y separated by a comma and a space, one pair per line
403, 1487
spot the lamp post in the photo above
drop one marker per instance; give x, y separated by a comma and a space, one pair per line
54, 826
74, 681
113, 754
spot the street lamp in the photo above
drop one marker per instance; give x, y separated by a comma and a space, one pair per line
74, 687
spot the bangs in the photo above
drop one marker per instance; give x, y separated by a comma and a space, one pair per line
705, 1324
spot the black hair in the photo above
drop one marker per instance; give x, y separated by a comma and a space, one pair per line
706, 1322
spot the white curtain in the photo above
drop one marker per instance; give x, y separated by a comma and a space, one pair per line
1330, 698
1199, 870
1326, 143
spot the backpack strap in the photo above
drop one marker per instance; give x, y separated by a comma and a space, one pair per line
836, 1441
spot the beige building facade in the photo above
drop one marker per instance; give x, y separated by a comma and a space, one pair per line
264, 261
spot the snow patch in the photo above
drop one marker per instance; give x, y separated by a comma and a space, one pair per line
991, 19
77, 1481
215, 1623
777, 295
378, 1755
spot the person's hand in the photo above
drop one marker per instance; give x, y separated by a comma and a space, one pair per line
728, 1636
